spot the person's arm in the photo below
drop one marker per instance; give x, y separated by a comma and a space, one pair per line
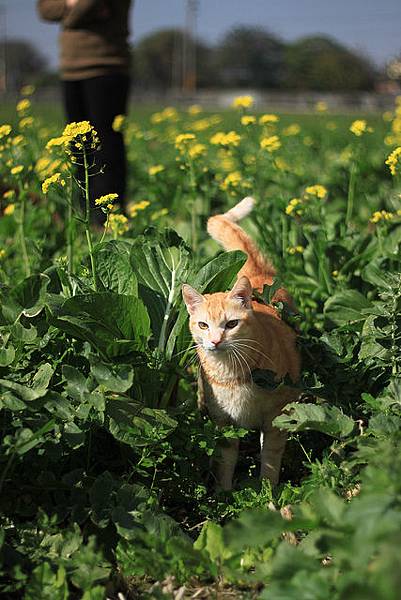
51, 10
82, 12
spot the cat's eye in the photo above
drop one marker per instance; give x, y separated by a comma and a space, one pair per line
232, 324
203, 325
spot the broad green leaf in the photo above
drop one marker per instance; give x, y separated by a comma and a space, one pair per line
327, 419
39, 385
114, 379
7, 355
113, 267
346, 307
28, 298
115, 324
161, 265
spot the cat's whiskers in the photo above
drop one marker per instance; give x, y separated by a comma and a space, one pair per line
244, 358
241, 344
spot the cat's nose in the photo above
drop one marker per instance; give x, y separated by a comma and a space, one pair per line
215, 342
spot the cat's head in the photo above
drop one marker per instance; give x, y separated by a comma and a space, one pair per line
217, 320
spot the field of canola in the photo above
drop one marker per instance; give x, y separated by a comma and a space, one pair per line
106, 488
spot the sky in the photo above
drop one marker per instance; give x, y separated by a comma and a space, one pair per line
370, 26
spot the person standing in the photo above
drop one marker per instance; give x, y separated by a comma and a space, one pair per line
94, 69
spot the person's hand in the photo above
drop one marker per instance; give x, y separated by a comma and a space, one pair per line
71, 3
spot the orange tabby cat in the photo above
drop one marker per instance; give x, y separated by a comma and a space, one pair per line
234, 335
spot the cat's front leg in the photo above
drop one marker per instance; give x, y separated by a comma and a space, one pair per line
272, 442
226, 463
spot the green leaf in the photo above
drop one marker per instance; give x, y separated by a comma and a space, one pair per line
112, 323
113, 267
28, 298
327, 419
113, 379
39, 385
7, 356
346, 307
161, 264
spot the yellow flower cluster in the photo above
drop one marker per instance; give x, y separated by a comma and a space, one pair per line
106, 202
118, 224
155, 169
242, 102
268, 119
23, 106
76, 136
292, 129
182, 141
197, 150
359, 127
17, 169
295, 249
133, 209
9, 209
381, 215
319, 191
248, 120
27, 90
195, 109
292, 206
118, 122
232, 180
26, 122
271, 143
46, 166
4, 130
168, 114
225, 139
55, 179
393, 161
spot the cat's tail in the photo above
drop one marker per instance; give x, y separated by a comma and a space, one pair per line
224, 229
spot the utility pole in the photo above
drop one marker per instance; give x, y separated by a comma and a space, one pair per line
3, 50
189, 47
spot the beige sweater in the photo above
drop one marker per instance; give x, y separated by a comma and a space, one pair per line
93, 37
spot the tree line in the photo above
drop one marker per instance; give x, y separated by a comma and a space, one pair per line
246, 57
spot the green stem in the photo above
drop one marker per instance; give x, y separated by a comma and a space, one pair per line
70, 233
87, 222
105, 228
21, 231
351, 194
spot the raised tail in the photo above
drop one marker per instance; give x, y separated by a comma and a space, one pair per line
225, 231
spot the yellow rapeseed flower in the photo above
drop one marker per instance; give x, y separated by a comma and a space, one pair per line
17, 169
292, 129
2, 254
155, 169
393, 161
271, 143
319, 191
232, 180
9, 209
248, 120
7, 195
55, 179
359, 127
23, 105
182, 141
268, 119
27, 90
136, 207
17, 140
197, 150
292, 205
381, 215
106, 199
295, 249
118, 224
26, 122
242, 102
118, 122
5, 130
225, 139
195, 109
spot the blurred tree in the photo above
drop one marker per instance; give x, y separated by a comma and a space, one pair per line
23, 63
250, 57
158, 61
321, 63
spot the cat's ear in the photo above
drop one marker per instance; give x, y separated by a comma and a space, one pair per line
192, 298
242, 292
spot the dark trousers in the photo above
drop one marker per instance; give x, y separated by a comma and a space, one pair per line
98, 100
